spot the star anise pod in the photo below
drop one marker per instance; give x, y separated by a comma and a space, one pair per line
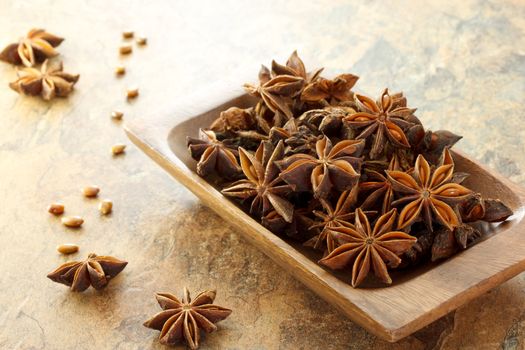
213, 155
334, 167
262, 185
367, 249
378, 187
428, 193
96, 271
330, 90
477, 208
327, 120
299, 229
183, 319
298, 138
383, 119
234, 119
49, 82
37, 46
295, 67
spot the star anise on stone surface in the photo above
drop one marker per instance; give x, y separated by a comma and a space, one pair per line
48, 82
295, 67
183, 319
262, 185
96, 271
378, 189
365, 248
384, 120
213, 155
333, 168
329, 90
428, 193
36, 47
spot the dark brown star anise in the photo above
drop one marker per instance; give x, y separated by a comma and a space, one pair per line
48, 82
96, 271
428, 193
328, 90
383, 118
185, 318
378, 188
37, 46
367, 249
334, 167
262, 184
328, 120
213, 155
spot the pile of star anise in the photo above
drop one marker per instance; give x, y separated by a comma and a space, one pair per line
356, 178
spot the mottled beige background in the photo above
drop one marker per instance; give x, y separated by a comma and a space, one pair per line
462, 63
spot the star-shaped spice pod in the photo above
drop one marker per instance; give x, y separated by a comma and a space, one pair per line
367, 249
48, 82
379, 189
295, 67
96, 271
37, 46
262, 184
428, 193
334, 167
183, 319
384, 118
328, 90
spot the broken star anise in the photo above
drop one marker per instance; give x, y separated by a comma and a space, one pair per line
213, 155
367, 249
37, 46
48, 82
328, 90
183, 319
96, 271
428, 193
334, 167
262, 184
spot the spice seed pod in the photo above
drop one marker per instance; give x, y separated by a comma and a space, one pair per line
67, 248
117, 114
72, 221
120, 70
117, 149
142, 40
128, 34
56, 208
105, 206
91, 191
126, 49
132, 93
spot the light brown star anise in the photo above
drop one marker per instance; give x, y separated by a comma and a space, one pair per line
48, 82
234, 119
37, 46
295, 67
367, 249
379, 189
96, 271
329, 90
334, 167
383, 118
213, 155
428, 193
183, 319
262, 185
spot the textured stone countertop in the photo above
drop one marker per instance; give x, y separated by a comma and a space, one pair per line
462, 63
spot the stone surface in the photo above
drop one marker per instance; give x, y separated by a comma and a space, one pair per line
461, 63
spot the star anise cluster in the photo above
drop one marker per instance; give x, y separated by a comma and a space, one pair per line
359, 179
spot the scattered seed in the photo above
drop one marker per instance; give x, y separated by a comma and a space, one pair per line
133, 92
128, 34
116, 114
126, 49
56, 208
105, 206
142, 40
120, 70
67, 248
118, 148
91, 191
72, 221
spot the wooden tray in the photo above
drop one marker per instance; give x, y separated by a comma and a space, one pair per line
415, 299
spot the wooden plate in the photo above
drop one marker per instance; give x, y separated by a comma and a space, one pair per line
416, 298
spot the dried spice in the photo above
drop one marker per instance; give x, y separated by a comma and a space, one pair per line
48, 82
95, 271
36, 47
183, 319
313, 153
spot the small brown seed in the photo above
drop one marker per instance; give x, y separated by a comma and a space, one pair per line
117, 114
133, 92
118, 148
72, 221
56, 208
91, 191
126, 49
120, 70
142, 40
127, 34
105, 206
67, 248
